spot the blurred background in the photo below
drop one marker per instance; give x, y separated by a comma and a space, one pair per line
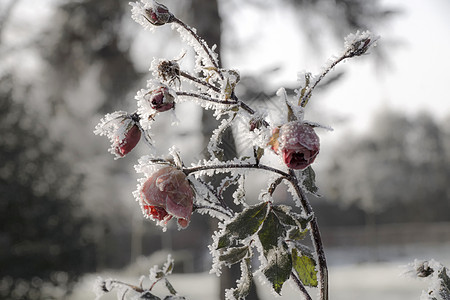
66, 209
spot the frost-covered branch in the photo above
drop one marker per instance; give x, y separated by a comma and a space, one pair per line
355, 45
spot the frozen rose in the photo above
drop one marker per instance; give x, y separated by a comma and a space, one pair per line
160, 99
127, 137
158, 14
298, 144
166, 194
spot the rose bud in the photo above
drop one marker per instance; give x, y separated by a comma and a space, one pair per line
127, 137
166, 194
160, 99
122, 130
298, 144
158, 14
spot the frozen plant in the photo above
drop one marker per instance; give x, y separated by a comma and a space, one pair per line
436, 274
267, 230
123, 290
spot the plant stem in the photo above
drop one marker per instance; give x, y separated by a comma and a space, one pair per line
188, 171
207, 98
317, 240
202, 44
300, 286
200, 82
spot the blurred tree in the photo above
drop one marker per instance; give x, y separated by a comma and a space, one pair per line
43, 233
398, 173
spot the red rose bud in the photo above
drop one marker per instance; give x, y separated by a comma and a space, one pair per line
298, 145
158, 14
127, 137
166, 194
160, 99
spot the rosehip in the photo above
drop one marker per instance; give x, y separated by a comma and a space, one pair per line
158, 14
127, 137
160, 99
297, 143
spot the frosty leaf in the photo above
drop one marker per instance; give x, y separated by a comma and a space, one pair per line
258, 153
296, 234
174, 298
284, 214
302, 92
305, 267
279, 267
271, 231
444, 289
227, 182
234, 255
245, 282
309, 181
147, 295
244, 224
170, 287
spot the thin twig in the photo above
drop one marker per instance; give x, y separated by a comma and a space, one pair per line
206, 98
300, 286
199, 81
317, 240
188, 171
202, 43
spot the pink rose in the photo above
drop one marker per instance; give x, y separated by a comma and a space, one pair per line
160, 99
166, 194
127, 137
297, 143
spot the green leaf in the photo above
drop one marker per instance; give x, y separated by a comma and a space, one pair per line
305, 267
170, 287
270, 233
245, 283
309, 181
279, 267
286, 217
234, 255
296, 234
244, 225
258, 153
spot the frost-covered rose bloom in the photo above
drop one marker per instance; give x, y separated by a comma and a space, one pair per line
160, 99
166, 194
122, 130
298, 144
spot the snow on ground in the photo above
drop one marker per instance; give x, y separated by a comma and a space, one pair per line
350, 276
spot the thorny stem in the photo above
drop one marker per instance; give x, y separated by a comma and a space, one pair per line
324, 73
300, 286
202, 43
317, 240
188, 171
199, 81
235, 101
358, 48
207, 98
